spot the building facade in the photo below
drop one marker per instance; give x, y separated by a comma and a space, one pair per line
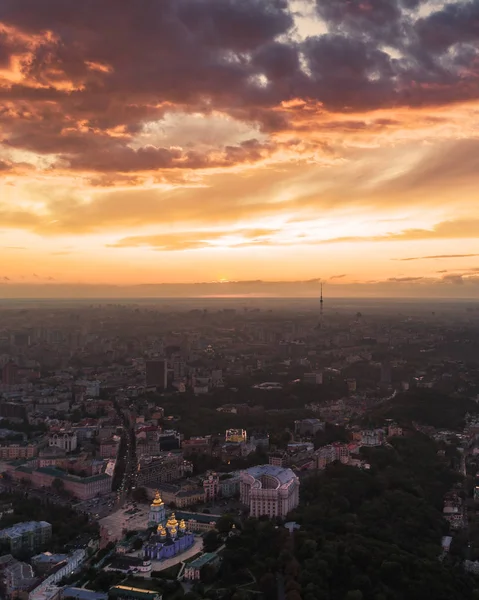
16, 451
269, 490
196, 445
169, 541
193, 570
308, 427
65, 440
84, 488
211, 486
156, 374
157, 514
29, 536
156, 470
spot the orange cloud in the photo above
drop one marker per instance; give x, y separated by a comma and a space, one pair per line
232, 132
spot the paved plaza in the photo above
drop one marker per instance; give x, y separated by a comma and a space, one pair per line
120, 520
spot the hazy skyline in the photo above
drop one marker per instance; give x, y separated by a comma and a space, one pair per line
184, 141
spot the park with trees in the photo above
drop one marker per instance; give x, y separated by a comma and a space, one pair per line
370, 534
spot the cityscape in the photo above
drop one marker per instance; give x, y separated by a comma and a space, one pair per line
199, 451
239, 300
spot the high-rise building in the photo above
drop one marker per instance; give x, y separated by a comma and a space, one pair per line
179, 367
386, 372
157, 373
10, 373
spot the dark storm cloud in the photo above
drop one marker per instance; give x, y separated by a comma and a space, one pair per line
348, 72
121, 158
456, 23
90, 67
379, 19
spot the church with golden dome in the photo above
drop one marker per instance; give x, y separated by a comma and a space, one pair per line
157, 514
171, 538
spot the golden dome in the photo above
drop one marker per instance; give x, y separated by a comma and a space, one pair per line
172, 522
173, 531
157, 500
182, 524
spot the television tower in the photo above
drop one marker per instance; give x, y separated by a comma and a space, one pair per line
321, 304
320, 324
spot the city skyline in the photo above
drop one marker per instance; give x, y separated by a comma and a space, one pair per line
189, 142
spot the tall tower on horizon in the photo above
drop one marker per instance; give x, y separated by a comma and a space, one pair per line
321, 302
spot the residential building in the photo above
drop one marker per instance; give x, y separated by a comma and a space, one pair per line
19, 577
16, 451
269, 490
29, 536
196, 445
50, 592
194, 569
211, 486
230, 486
160, 469
259, 441
394, 430
331, 453
278, 459
61, 570
308, 427
10, 373
156, 374
109, 449
178, 365
313, 378
46, 560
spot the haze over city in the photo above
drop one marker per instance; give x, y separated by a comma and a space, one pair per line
206, 142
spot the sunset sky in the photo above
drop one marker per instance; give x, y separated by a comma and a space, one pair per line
181, 141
